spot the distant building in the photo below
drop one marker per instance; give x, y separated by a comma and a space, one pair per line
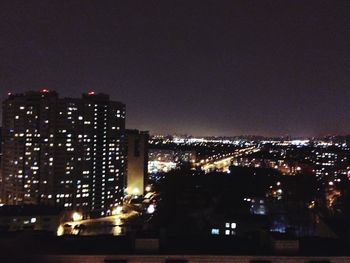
330, 162
137, 161
29, 217
164, 160
68, 152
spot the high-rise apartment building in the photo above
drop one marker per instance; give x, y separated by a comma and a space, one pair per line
63, 151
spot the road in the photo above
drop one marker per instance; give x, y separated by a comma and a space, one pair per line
116, 225
223, 162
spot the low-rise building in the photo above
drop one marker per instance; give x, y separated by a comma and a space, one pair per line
29, 217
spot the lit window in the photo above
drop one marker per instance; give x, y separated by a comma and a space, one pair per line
215, 231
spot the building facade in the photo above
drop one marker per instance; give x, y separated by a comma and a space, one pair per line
137, 161
30, 217
68, 152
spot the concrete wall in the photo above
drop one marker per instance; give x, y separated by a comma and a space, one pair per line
137, 161
193, 259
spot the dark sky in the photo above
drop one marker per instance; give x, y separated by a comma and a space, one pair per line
196, 67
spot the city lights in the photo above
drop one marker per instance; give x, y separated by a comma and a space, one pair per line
60, 230
79, 187
151, 209
77, 216
136, 191
118, 210
233, 144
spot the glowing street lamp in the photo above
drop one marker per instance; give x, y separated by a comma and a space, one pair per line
151, 209
148, 188
135, 191
77, 216
117, 210
60, 231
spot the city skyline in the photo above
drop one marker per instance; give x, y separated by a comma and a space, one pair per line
175, 131
189, 67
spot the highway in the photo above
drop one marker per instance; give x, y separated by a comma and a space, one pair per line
223, 162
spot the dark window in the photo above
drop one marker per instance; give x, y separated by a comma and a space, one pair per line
116, 261
176, 261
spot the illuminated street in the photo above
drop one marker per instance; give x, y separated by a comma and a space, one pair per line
223, 162
116, 225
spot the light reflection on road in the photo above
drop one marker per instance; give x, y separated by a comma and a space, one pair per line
113, 225
223, 163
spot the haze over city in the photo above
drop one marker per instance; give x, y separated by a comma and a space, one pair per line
195, 67
174, 131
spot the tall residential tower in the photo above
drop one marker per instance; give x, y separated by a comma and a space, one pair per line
63, 151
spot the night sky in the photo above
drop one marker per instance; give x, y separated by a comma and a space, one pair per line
196, 67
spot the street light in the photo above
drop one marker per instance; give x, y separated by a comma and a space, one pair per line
151, 209
135, 191
117, 210
77, 216
60, 231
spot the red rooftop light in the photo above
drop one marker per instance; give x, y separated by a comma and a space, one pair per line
9, 93
44, 90
91, 93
